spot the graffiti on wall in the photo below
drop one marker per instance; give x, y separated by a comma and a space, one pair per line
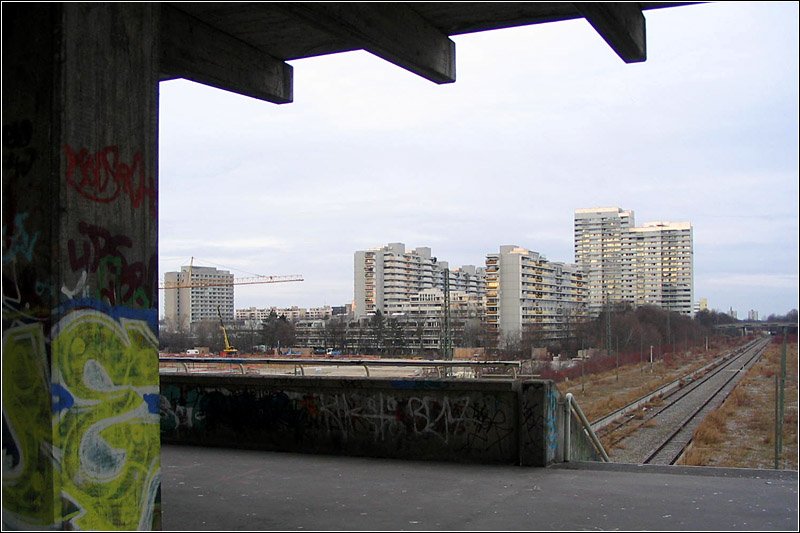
551, 429
24, 295
103, 448
27, 437
465, 422
104, 176
119, 282
81, 445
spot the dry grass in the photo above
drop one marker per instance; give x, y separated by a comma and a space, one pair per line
600, 394
741, 432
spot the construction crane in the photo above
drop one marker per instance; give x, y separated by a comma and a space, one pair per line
186, 281
228, 351
189, 283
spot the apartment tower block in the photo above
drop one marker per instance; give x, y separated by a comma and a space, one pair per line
197, 294
647, 265
527, 293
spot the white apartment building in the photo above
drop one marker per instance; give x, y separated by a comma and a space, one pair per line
202, 295
647, 265
525, 291
388, 277
658, 266
598, 251
259, 314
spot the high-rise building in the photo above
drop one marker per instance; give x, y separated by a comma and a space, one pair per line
598, 251
202, 293
647, 265
387, 278
525, 291
658, 266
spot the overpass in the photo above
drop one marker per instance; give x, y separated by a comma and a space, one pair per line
774, 328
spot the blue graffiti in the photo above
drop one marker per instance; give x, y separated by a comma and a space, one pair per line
62, 398
150, 316
22, 243
153, 403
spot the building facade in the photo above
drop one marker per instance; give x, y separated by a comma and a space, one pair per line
415, 328
598, 251
658, 266
647, 265
259, 314
527, 293
197, 294
387, 278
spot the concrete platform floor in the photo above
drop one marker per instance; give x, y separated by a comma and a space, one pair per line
227, 489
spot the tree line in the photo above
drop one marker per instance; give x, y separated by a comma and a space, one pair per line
618, 327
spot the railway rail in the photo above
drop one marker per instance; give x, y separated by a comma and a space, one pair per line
660, 434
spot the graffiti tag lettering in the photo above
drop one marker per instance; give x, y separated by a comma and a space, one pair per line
104, 176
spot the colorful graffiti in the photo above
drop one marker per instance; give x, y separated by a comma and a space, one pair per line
119, 282
81, 445
102, 404
551, 426
27, 436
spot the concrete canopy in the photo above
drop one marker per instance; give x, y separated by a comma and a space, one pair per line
243, 46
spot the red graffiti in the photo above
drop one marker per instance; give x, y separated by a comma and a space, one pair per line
103, 176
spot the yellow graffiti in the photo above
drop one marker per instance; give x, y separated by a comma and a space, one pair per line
28, 474
109, 437
84, 449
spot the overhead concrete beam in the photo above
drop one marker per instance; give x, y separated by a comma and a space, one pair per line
391, 31
193, 50
621, 24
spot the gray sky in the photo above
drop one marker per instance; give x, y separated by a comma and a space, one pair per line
542, 120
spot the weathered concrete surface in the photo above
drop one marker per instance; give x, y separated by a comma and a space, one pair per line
216, 489
80, 364
487, 421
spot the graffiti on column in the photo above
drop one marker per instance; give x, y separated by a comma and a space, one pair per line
119, 282
103, 403
104, 176
552, 423
107, 414
80, 375
27, 435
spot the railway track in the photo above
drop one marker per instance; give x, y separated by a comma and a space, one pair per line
660, 434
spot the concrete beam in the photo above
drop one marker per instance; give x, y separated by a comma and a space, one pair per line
391, 31
193, 50
622, 25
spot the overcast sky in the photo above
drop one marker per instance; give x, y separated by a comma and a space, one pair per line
542, 120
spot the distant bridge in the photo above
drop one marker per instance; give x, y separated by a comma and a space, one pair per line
755, 325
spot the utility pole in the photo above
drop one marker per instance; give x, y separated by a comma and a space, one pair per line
608, 327
447, 340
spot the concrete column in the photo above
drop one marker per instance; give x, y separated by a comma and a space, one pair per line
538, 423
80, 378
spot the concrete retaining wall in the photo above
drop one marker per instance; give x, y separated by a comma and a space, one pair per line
480, 421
